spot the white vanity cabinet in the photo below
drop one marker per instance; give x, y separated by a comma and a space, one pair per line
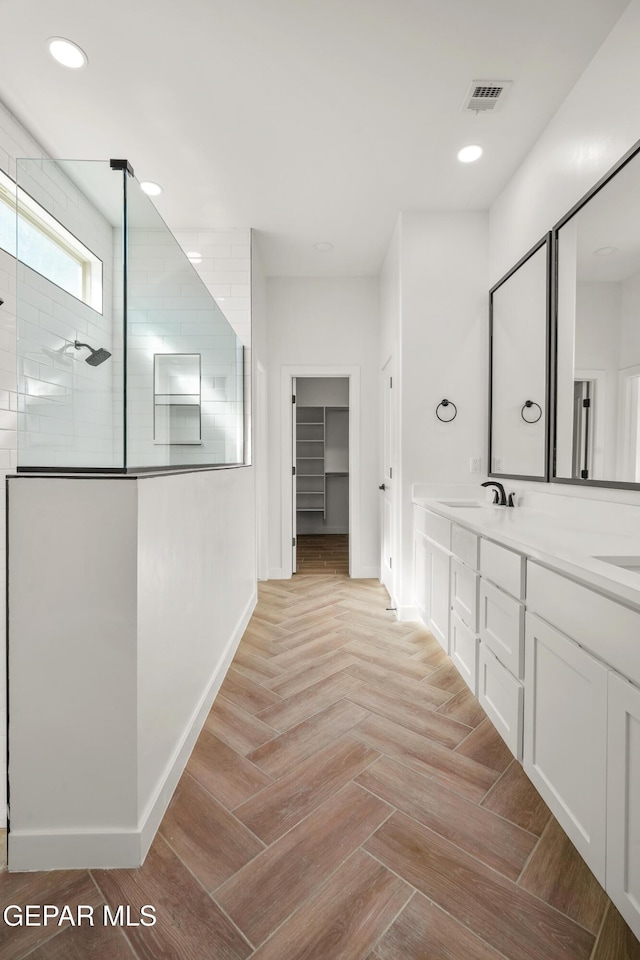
623, 799
432, 541
501, 627
565, 739
464, 604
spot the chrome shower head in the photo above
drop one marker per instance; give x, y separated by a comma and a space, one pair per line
96, 357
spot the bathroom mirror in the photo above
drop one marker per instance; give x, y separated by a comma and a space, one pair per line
597, 355
518, 368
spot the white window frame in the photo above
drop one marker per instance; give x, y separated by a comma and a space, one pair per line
30, 210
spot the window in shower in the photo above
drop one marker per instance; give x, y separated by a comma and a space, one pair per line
47, 247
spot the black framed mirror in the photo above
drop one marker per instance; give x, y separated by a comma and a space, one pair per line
596, 334
519, 323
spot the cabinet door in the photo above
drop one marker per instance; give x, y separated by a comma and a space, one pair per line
502, 626
464, 652
623, 800
439, 597
565, 734
464, 594
500, 694
422, 575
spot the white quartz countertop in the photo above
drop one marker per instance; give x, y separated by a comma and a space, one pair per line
566, 542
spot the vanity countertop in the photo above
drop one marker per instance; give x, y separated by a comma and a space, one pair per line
569, 544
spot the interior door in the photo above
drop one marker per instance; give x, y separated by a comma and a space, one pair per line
388, 449
294, 482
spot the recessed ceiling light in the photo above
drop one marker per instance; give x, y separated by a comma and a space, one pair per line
604, 251
67, 53
150, 188
323, 246
470, 153
194, 256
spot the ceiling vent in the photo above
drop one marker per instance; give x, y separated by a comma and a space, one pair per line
485, 95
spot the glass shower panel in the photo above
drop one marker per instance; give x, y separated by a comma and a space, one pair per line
171, 319
69, 325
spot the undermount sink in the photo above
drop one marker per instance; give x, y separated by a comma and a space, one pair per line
625, 563
471, 504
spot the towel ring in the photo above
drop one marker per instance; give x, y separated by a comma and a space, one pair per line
527, 404
447, 403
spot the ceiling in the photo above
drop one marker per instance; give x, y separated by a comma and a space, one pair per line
308, 120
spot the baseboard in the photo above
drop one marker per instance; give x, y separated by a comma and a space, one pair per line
73, 851
151, 819
70, 850
365, 573
407, 613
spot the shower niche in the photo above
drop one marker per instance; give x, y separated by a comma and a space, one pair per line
176, 398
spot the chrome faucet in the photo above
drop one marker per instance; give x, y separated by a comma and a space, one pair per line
499, 495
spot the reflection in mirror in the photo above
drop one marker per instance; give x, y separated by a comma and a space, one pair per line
519, 322
598, 335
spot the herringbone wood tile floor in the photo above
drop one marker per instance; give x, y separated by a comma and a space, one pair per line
346, 800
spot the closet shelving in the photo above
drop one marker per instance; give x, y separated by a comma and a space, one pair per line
312, 467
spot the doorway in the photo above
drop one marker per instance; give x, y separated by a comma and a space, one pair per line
320, 475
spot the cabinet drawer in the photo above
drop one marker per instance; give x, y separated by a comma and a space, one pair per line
464, 652
502, 626
503, 567
501, 696
466, 546
433, 526
464, 594
606, 628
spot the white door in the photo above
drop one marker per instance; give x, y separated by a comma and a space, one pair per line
294, 483
623, 800
388, 451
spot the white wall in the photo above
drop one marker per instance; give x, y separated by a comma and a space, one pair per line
326, 322
444, 354
143, 590
595, 125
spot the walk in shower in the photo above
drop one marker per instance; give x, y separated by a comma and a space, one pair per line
125, 361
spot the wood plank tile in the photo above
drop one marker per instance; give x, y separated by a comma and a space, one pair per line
284, 753
307, 651
481, 833
515, 798
299, 678
486, 746
411, 714
464, 776
259, 630
558, 875
404, 687
313, 619
464, 707
293, 710
262, 895
501, 913
371, 621
318, 632
296, 795
209, 840
243, 731
344, 918
616, 941
227, 775
425, 932
84, 942
395, 664
59, 888
254, 666
189, 925
447, 677
242, 691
